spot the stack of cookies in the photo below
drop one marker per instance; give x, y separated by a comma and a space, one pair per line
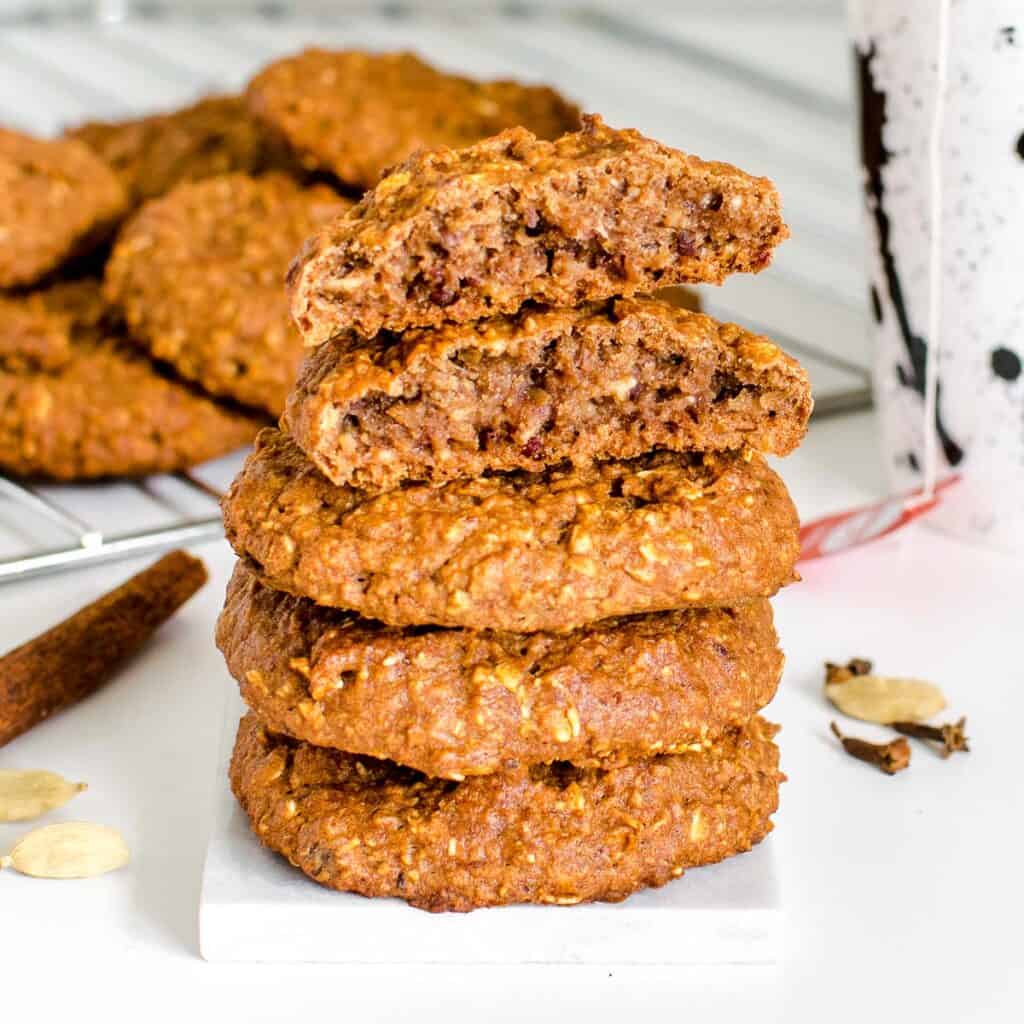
501, 606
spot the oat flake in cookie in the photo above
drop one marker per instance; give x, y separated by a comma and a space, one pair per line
523, 392
462, 235
353, 114
458, 702
549, 834
199, 275
517, 551
57, 200
79, 401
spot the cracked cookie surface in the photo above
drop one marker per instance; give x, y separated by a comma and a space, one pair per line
519, 552
549, 834
458, 702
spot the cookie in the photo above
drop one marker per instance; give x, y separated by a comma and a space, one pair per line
533, 389
519, 552
457, 702
57, 200
548, 834
32, 337
152, 154
199, 275
462, 235
78, 401
354, 114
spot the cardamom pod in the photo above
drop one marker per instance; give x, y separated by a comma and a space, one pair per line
28, 794
885, 699
71, 849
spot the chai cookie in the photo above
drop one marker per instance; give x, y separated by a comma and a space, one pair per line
78, 401
32, 337
547, 834
199, 275
215, 136
57, 201
458, 702
519, 552
544, 385
463, 235
354, 114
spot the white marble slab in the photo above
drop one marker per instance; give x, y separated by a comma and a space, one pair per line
256, 907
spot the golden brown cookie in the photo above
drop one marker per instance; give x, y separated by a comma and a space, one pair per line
457, 702
199, 275
544, 385
461, 235
57, 200
354, 114
548, 834
79, 401
152, 154
519, 552
32, 337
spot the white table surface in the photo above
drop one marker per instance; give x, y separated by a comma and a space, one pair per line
903, 895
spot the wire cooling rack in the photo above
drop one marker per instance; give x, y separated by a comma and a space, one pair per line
87, 543
48, 528
680, 72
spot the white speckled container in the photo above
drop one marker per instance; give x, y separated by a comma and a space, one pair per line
979, 421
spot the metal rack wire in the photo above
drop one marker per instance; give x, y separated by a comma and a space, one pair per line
89, 544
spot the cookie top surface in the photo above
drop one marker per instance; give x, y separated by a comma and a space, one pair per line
548, 834
57, 200
455, 702
199, 276
458, 235
525, 391
519, 552
354, 114
32, 336
217, 135
78, 401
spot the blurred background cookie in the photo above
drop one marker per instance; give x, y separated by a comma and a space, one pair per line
78, 401
353, 114
151, 155
57, 200
199, 274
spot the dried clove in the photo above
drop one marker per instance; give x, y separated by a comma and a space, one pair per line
843, 673
951, 735
891, 757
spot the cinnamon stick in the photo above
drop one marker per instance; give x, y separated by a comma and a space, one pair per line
79, 655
